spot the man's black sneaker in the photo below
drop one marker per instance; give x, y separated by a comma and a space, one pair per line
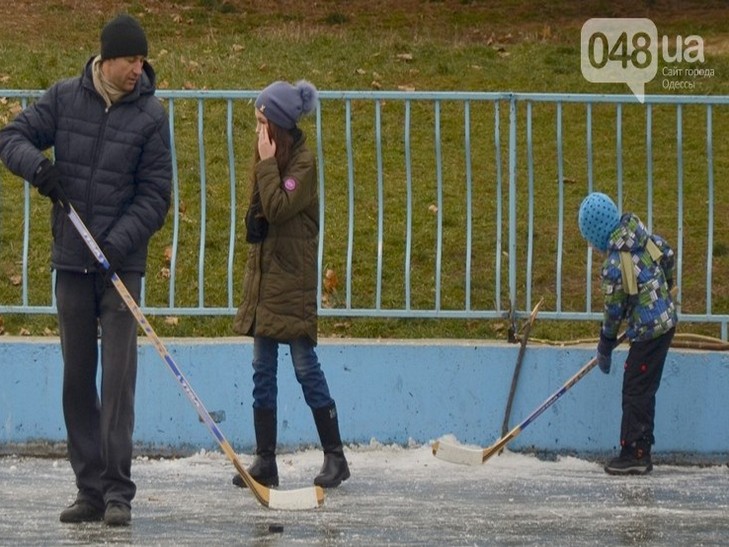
117, 514
82, 511
636, 463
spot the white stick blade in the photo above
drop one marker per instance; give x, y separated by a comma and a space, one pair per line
458, 454
294, 500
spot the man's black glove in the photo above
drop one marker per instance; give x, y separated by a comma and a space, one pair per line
48, 181
115, 259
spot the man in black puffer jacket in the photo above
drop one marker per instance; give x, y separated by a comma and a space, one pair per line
112, 162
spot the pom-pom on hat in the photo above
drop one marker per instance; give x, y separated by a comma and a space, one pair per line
598, 219
123, 36
284, 104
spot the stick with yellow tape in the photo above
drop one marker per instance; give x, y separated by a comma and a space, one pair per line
474, 456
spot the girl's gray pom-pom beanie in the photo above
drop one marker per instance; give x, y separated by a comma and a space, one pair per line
284, 104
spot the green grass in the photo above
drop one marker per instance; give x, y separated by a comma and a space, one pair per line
513, 45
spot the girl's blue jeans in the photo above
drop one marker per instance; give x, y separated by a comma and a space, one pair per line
306, 367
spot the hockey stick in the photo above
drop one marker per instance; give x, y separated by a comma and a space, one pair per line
302, 498
517, 367
473, 456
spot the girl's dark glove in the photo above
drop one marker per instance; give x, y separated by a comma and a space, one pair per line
256, 224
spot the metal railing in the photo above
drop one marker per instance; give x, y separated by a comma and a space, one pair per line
433, 204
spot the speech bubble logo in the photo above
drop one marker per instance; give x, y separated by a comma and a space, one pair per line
620, 50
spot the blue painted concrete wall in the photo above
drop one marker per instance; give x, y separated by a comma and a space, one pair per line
391, 391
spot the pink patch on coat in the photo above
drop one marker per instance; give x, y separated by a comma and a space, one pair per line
290, 184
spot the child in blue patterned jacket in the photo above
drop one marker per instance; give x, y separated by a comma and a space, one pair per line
637, 278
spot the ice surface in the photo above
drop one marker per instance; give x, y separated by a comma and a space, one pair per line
396, 496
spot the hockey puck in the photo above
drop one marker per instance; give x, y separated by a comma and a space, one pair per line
275, 528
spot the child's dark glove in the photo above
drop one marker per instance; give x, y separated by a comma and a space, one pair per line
604, 352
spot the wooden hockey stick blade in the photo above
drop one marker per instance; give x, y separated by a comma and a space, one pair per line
303, 498
459, 454
291, 500
474, 456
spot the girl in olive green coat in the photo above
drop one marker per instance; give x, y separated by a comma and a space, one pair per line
280, 283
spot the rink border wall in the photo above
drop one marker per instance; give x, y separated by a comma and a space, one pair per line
387, 391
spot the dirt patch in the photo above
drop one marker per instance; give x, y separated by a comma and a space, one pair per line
33, 20
717, 46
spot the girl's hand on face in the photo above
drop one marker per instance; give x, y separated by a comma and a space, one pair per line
266, 146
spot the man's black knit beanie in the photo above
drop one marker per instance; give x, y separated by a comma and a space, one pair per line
123, 37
